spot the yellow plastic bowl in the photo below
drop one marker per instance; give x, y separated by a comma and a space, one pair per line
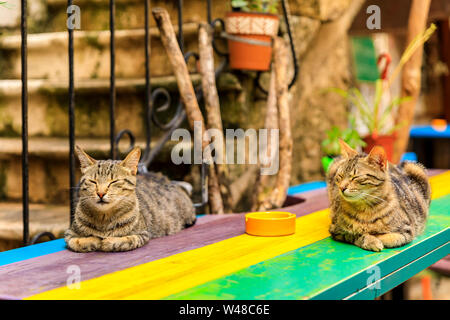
270, 223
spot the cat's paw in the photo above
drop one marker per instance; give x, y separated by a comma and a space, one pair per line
87, 244
393, 240
117, 244
369, 242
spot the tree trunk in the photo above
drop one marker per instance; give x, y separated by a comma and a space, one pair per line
411, 75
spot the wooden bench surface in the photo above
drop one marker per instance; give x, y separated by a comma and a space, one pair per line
215, 259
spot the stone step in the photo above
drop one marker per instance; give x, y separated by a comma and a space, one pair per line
51, 15
48, 54
49, 166
43, 218
47, 103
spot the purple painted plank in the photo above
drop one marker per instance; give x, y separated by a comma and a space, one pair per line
28, 277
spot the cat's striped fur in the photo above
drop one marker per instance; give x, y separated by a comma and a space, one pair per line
375, 204
118, 210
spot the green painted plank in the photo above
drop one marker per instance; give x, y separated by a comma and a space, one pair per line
399, 276
392, 263
324, 270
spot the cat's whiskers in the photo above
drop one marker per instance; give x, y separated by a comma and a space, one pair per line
375, 197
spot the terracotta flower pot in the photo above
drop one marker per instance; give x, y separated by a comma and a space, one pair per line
386, 141
250, 39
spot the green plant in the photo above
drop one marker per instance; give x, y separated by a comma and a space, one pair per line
264, 6
376, 121
331, 146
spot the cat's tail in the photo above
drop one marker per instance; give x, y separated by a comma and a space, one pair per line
417, 173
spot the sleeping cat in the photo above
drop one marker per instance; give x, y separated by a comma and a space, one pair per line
375, 204
118, 210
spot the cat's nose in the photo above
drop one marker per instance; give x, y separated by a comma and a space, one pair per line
343, 188
100, 195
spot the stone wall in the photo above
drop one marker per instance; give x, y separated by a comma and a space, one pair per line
323, 52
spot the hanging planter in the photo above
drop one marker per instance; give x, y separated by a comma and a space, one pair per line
249, 37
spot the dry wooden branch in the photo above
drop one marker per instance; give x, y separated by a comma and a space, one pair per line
212, 106
188, 97
263, 187
411, 75
278, 194
240, 186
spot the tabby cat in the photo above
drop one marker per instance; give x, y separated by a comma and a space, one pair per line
118, 210
375, 204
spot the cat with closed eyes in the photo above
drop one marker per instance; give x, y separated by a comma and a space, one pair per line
375, 204
118, 210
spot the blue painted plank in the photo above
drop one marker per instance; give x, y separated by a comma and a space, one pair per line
428, 132
33, 251
409, 156
309, 186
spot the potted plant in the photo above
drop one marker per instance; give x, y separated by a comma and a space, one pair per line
381, 132
249, 30
331, 146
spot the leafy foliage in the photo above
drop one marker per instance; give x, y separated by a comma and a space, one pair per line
370, 111
264, 6
375, 121
7, 5
331, 144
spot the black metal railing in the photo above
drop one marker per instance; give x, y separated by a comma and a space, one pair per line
24, 75
72, 180
151, 111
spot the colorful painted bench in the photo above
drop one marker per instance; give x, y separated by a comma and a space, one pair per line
215, 259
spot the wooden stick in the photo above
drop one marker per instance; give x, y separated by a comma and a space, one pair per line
212, 105
278, 194
411, 75
188, 97
262, 186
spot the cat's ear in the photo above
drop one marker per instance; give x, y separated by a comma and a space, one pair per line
132, 159
346, 150
377, 157
85, 160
